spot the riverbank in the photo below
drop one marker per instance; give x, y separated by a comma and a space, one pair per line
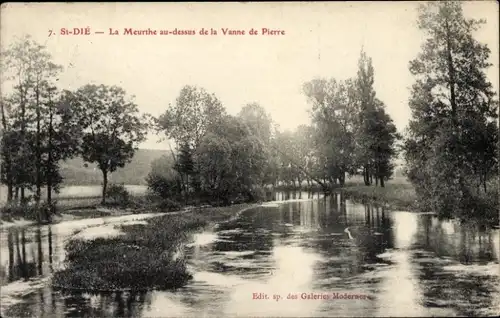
402, 197
139, 256
394, 196
89, 212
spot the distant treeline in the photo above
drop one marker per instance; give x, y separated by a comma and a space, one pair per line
44, 126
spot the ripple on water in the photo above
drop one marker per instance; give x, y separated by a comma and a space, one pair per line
270, 205
230, 231
14, 292
204, 238
105, 231
217, 279
490, 269
235, 254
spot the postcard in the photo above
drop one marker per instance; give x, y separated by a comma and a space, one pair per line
249, 159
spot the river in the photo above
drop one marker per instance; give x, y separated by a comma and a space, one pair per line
289, 251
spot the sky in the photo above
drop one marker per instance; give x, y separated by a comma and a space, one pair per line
321, 40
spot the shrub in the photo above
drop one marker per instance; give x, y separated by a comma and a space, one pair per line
163, 186
258, 194
168, 205
117, 194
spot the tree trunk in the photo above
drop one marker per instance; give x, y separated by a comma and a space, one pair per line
478, 183
104, 185
186, 188
7, 154
49, 190
49, 169
10, 192
453, 101
10, 246
451, 73
23, 142
333, 180
38, 154
382, 184
49, 161
376, 181
16, 195
342, 179
23, 195
366, 175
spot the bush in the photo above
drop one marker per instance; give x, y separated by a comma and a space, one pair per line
258, 194
164, 186
117, 194
168, 205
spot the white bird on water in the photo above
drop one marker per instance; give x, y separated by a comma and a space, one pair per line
348, 233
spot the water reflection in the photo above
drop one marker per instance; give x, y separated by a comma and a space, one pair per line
407, 264
22, 255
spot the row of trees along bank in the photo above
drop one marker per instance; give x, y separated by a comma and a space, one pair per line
223, 157
43, 125
449, 144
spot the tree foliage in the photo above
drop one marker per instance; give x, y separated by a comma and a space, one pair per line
187, 120
450, 147
36, 134
352, 131
111, 125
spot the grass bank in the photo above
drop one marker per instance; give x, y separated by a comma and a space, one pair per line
140, 259
399, 194
395, 196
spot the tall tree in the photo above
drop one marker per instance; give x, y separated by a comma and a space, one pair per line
333, 114
185, 167
187, 120
31, 159
231, 160
383, 137
44, 75
304, 150
452, 134
17, 69
112, 127
6, 150
258, 121
367, 111
62, 136
259, 124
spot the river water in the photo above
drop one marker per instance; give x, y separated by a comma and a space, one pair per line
275, 259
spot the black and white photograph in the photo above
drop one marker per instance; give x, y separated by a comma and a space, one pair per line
249, 159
